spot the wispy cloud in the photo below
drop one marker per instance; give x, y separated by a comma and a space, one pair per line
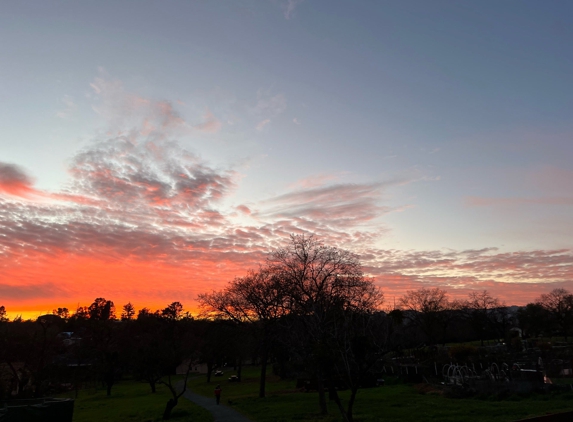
210, 124
125, 111
289, 7
338, 205
314, 181
261, 125
269, 105
69, 107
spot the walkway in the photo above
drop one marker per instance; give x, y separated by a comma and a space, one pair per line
221, 413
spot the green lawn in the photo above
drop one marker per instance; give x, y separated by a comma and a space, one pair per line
132, 401
399, 402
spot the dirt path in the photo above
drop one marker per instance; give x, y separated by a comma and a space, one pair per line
221, 413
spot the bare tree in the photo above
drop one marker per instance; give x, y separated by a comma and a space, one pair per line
175, 395
257, 298
309, 286
480, 310
428, 311
179, 343
359, 341
322, 282
559, 304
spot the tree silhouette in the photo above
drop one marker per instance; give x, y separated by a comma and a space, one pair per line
559, 304
128, 312
308, 282
533, 319
324, 286
427, 310
3, 316
257, 298
63, 313
481, 313
101, 309
173, 311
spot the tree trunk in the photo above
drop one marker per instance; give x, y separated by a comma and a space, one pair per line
109, 381
239, 369
209, 370
321, 395
263, 380
171, 403
16, 377
152, 384
353, 393
333, 395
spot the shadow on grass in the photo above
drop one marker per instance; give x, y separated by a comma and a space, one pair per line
132, 401
396, 401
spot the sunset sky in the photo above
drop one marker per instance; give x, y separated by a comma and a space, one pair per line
153, 150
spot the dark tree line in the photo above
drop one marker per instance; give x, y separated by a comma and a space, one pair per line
92, 345
313, 303
308, 309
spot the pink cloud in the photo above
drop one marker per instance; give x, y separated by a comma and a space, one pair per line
314, 181
142, 208
158, 174
210, 125
340, 205
552, 179
261, 125
244, 209
14, 181
517, 277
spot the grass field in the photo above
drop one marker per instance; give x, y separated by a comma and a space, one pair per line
399, 402
132, 401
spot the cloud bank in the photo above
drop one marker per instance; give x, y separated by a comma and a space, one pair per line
143, 219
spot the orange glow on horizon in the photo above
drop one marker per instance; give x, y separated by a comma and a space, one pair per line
71, 281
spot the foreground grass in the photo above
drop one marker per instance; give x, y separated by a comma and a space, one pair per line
400, 402
133, 402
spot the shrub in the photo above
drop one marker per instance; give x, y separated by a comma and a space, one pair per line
462, 352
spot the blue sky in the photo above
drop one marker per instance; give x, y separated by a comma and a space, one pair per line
439, 125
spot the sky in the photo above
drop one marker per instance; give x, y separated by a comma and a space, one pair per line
152, 151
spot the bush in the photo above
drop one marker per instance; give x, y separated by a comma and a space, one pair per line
462, 352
